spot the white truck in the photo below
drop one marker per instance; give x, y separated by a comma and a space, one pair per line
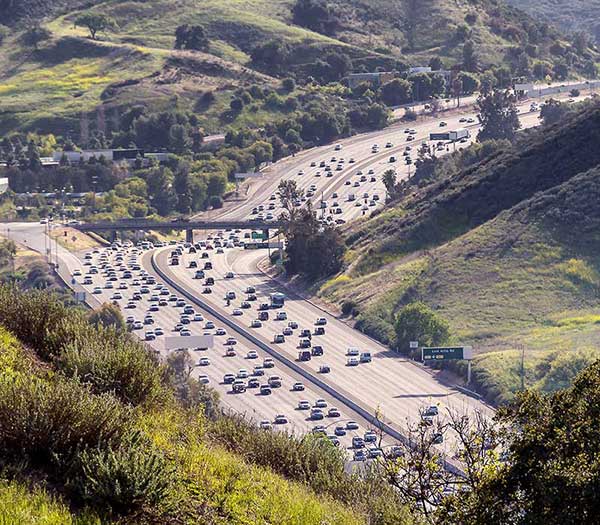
460, 133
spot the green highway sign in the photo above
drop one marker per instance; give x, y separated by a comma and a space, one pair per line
445, 353
259, 235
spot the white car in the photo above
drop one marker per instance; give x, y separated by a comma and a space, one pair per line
204, 361
252, 354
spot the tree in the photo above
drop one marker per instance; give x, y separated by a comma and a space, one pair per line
552, 111
396, 92
390, 180
191, 37
95, 22
36, 34
236, 105
108, 316
470, 83
272, 55
417, 322
470, 58
316, 15
498, 116
549, 473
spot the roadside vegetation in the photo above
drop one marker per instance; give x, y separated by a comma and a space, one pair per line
83, 405
494, 242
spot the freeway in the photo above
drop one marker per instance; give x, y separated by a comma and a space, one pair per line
396, 387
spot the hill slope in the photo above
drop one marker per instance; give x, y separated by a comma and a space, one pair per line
570, 15
135, 62
506, 251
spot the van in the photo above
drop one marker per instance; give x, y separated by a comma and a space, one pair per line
304, 355
365, 357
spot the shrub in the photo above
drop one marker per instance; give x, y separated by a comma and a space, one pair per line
31, 317
45, 421
123, 478
288, 84
112, 362
108, 315
410, 115
348, 307
216, 201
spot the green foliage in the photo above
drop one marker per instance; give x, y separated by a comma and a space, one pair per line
191, 37
108, 316
396, 92
45, 421
317, 15
122, 479
417, 322
498, 116
21, 504
551, 470
95, 22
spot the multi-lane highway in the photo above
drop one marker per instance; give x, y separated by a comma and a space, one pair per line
347, 176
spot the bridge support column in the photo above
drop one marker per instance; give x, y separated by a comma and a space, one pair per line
189, 235
113, 235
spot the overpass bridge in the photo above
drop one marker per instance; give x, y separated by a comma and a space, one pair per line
177, 224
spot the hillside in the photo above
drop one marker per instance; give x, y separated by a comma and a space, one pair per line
93, 429
570, 15
134, 61
505, 251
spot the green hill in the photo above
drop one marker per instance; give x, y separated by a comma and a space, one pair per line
505, 250
134, 62
570, 15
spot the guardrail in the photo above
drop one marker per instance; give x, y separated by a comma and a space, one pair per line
363, 412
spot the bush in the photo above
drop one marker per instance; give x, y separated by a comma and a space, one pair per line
288, 84
575, 92
112, 362
45, 421
348, 307
410, 115
123, 478
216, 201
108, 316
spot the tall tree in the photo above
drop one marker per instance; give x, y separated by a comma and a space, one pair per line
498, 116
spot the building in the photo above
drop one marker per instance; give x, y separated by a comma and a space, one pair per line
376, 79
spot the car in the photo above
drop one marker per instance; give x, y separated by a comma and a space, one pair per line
209, 325
243, 373
334, 441
198, 317
431, 411
333, 412
185, 333
252, 354
365, 357
193, 264
280, 419
279, 338
228, 379
255, 324
437, 438
304, 343
352, 352
352, 361
370, 436
320, 403
231, 341
303, 405
443, 124
237, 312
321, 321
374, 452
253, 383
352, 425
274, 382
298, 387
317, 351
293, 325
265, 425
319, 429
268, 362
340, 431
204, 361
316, 414
245, 305
158, 331
230, 352
324, 369
265, 390
230, 295
238, 387
281, 316
389, 145
258, 371
358, 442
319, 330
203, 379
149, 335
229, 275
